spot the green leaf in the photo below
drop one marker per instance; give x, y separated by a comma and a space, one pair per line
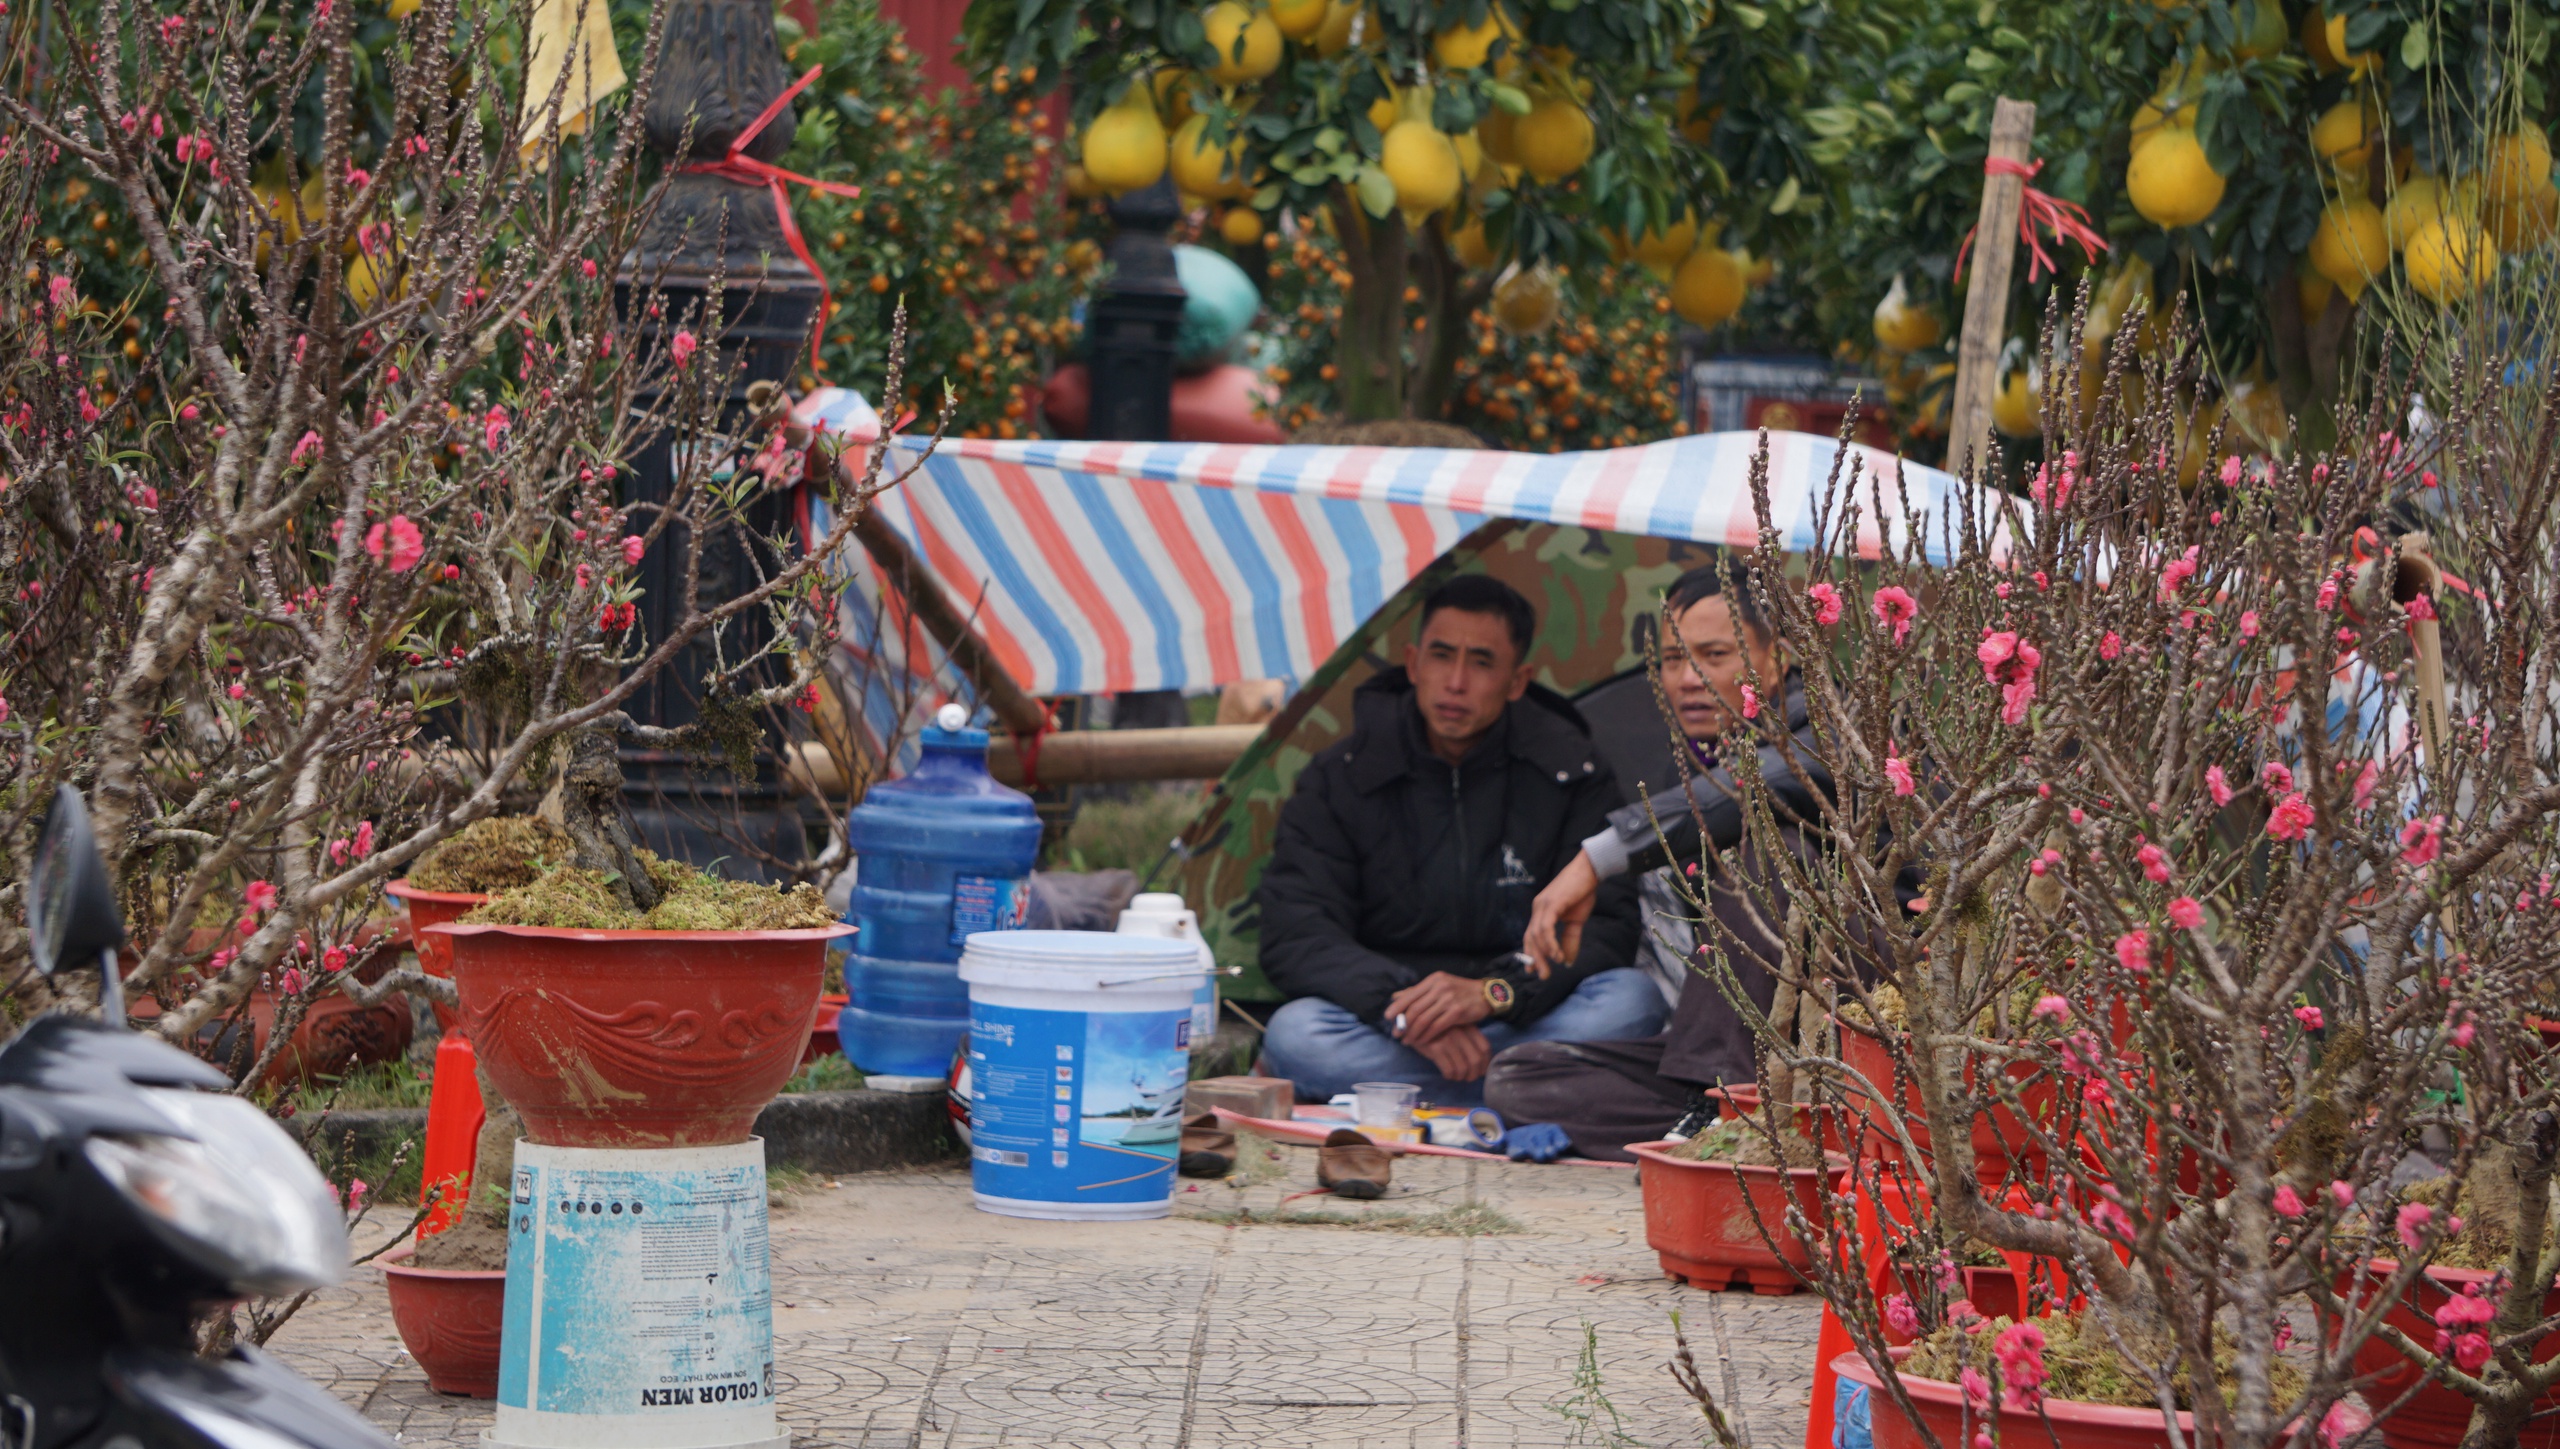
2414, 46
1377, 193
1785, 200
1511, 99
1751, 16
1267, 197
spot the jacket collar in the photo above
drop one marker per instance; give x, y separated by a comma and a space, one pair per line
1541, 729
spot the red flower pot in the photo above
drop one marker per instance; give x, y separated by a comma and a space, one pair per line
1703, 1219
2437, 1417
638, 1038
450, 1319
1743, 1100
1940, 1406
823, 1041
1999, 1136
435, 953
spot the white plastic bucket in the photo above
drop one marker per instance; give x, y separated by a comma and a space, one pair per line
639, 1301
1079, 1048
1162, 913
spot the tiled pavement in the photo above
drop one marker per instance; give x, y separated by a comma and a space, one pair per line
903, 1317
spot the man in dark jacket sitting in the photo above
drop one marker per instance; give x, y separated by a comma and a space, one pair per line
1607, 1094
1400, 883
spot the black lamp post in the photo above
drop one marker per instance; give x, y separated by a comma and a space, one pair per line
718, 70
1132, 328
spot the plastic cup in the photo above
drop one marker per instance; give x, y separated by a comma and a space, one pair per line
1385, 1104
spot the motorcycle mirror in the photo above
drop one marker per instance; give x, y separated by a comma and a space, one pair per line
71, 907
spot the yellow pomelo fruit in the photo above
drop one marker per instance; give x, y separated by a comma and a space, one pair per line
1709, 287
2150, 117
2414, 203
2449, 258
1343, 22
1382, 111
1697, 123
1080, 183
2519, 165
1171, 88
2339, 135
2018, 408
2315, 40
1423, 164
2526, 222
1757, 271
1247, 43
1465, 47
1526, 303
2193, 436
2262, 29
1500, 133
364, 278
1670, 246
1241, 226
1906, 328
2334, 40
1299, 19
1470, 154
1469, 244
403, 9
1554, 139
2351, 247
1124, 148
2170, 182
1206, 169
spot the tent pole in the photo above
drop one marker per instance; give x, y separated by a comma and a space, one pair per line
1020, 714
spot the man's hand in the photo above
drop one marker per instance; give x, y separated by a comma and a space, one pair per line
1460, 1053
1437, 1004
1556, 916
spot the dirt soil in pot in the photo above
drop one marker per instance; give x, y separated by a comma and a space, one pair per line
573, 898
1738, 1141
473, 1245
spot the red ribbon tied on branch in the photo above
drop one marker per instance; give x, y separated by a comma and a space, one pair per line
2067, 221
746, 170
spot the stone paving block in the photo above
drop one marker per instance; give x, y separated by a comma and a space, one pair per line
905, 1319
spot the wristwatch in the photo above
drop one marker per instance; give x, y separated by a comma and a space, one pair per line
1499, 998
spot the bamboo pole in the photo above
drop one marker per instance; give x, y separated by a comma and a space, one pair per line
1083, 757
1020, 714
1986, 301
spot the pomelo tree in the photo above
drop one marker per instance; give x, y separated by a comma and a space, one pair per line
1439, 142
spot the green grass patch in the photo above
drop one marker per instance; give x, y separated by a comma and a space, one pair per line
370, 1088
829, 1073
1130, 834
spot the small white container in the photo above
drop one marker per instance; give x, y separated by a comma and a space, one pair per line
1162, 913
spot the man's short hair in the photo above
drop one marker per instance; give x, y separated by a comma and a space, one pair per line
1706, 582
1485, 594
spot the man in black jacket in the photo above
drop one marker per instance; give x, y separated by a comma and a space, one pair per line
1607, 1094
1400, 883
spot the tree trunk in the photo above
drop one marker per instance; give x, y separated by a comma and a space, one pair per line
1449, 298
1369, 348
593, 812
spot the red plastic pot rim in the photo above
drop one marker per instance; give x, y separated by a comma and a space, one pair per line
401, 890
1853, 1366
558, 933
1835, 1164
396, 1261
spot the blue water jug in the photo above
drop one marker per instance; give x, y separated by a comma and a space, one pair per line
939, 854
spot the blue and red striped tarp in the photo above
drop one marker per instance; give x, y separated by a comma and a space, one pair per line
1096, 567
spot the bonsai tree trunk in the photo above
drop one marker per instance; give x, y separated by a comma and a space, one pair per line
1369, 347
593, 812
1449, 297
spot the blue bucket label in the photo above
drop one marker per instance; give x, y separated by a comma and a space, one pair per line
637, 1292
987, 903
1076, 1106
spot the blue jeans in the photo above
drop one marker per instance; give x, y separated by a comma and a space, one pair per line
1324, 1048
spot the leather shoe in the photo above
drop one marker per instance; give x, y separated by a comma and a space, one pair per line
1350, 1165
1208, 1150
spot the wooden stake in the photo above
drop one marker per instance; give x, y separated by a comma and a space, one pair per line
1018, 712
1986, 302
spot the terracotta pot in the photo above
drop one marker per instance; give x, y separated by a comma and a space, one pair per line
2436, 1417
1940, 1406
1999, 1136
435, 953
2546, 1028
1699, 1217
450, 1319
638, 1038
822, 1036
334, 1035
